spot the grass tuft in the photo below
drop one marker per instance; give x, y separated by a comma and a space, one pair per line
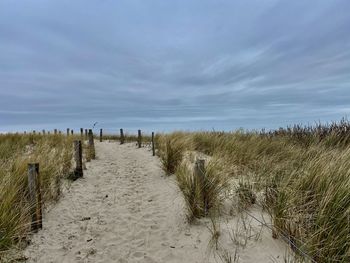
202, 197
171, 151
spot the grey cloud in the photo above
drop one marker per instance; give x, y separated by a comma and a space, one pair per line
173, 65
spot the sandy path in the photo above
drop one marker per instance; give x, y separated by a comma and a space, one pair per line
126, 210
123, 210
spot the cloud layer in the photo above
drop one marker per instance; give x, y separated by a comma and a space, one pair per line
164, 65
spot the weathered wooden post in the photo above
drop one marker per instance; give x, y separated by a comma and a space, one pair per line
72, 132
35, 196
139, 138
78, 156
44, 132
122, 136
91, 145
199, 171
81, 132
67, 131
153, 147
55, 131
100, 135
34, 132
86, 134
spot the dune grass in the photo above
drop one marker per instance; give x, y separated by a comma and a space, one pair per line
171, 150
203, 197
53, 153
302, 172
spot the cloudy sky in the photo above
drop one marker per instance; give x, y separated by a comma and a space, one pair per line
164, 65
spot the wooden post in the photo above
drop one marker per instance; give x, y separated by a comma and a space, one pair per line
91, 145
139, 138
72, 132
67, 131
81, 132
199, 171
34, 132
44, 132
35, 196
86, 134
78, 156
100, 135
122, 136
59, 132
48, 132
55, 131
153, 147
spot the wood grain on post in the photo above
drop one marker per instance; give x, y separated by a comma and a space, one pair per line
78, 156
199, 171
139, 138
122, 136
100, 135
91, 145
35, 196
67, 131
153, 147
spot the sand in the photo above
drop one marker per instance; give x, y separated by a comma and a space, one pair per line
125, 209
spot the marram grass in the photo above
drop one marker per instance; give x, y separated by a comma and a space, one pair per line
304, 173
53, 153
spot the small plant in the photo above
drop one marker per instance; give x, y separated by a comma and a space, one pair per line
171, 152
190, 188
227, 257
202, 195
215, 232
246, 195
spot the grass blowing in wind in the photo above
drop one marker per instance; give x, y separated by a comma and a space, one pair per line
54, 153
301, 175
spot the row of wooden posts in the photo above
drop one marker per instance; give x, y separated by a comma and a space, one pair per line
34, 175
87, 132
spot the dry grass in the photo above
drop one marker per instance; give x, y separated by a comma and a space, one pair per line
203, 197
53, 153
171, 149
304, 174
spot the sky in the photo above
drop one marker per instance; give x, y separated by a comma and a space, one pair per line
170, 65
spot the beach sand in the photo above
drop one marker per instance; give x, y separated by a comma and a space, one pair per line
125, 209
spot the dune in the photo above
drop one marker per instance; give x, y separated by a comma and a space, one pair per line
125, 209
